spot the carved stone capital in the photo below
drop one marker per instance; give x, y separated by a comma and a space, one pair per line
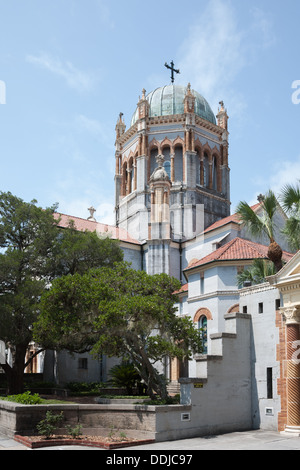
291, 314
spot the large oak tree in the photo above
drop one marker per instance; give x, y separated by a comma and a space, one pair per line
34, 251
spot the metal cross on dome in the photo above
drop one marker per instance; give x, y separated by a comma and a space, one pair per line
171, 67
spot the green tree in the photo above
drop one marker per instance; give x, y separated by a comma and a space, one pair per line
290, 200
27, 235
77, 251
263, 224
32, 252
118, 312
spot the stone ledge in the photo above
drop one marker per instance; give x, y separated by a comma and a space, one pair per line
222, 335
207, 357
191, 380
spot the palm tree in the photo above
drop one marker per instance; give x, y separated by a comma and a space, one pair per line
265, 224
256, 273
290, 200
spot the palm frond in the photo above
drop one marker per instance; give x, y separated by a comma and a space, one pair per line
256, 273
251, 220
290, 197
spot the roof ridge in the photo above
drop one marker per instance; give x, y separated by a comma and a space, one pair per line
232, 218
86, 220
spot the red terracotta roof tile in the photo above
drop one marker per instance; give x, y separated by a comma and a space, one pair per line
236, 249
234, 218
92, 226
183, 288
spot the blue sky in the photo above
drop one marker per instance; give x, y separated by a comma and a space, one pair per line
70, 67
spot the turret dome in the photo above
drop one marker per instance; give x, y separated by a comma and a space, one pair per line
169, 99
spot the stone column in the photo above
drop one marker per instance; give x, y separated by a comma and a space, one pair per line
172, 167
292, 316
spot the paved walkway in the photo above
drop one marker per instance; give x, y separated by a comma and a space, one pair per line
249, 440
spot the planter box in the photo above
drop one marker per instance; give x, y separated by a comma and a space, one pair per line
161, 423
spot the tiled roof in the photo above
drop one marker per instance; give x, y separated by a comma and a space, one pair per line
183, 288
92, 226
234, 218
236, 249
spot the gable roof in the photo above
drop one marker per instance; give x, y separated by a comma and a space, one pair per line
116, 233
289, 273
231, 219
236, 249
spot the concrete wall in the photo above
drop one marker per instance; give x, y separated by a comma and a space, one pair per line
155, 422
220, 394
264, 341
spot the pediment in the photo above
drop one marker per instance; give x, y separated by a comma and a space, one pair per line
296, 271
289, 273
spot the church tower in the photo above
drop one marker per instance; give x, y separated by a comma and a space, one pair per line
172, 174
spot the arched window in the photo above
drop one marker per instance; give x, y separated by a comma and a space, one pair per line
167, 167
153, 155
214, 173
205, 171
202, 326
178, 163
124, 179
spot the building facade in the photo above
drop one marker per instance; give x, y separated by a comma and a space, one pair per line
173, 129
172, 212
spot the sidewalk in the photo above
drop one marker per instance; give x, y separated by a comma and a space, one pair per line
248, 440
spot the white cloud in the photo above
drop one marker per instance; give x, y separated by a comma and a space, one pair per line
217, 49
75, 78
284, 172
95, 128
211, 55
263, 26
78, 207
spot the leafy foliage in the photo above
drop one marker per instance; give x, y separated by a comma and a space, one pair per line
124, 375
25, 398
263, 224
290, 198
256, 273
118, 312
47, 427
33, 250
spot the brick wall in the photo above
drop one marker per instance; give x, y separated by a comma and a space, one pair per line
281, 383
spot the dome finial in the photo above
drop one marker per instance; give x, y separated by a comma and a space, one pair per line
171, 67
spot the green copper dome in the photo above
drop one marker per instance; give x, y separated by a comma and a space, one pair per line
168, 100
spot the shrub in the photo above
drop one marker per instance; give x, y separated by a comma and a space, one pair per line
84, 387
75, 431
125, 375
25, 398
47, 427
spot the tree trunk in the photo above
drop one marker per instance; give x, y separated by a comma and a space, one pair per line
275, 255
155, 383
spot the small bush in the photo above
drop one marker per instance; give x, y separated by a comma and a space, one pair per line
75, 431
47, 427
25, 398
125, 375
86, 388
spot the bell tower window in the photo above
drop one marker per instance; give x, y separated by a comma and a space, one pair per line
167, 167
202, 326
